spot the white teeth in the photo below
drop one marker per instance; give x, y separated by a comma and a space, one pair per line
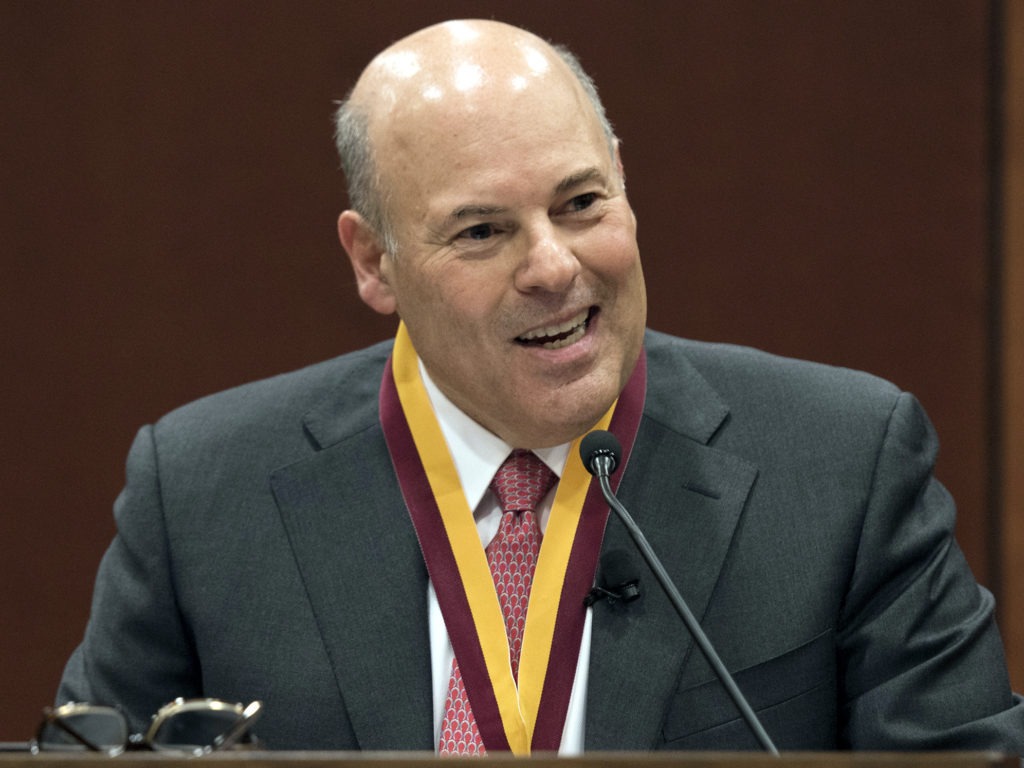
575, 327
572, 338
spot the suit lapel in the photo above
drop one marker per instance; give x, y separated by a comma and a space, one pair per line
687, 497
363, 572
366, 582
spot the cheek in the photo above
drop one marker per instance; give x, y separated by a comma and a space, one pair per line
451, 302
612, 246
617, 256
472, 290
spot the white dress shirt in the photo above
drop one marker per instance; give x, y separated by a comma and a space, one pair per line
478, 454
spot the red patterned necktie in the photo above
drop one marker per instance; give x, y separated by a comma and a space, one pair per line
520, 483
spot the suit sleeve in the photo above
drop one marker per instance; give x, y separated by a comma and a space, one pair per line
136, 653
923, 663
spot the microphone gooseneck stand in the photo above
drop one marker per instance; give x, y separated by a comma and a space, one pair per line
600, 452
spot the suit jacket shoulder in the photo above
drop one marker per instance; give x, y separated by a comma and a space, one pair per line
331, 399
795, 507
747, 380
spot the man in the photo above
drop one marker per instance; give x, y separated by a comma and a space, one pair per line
330, 541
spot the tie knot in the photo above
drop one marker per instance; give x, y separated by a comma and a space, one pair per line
522, 481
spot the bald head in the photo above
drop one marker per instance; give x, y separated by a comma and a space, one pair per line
489, 213
455, 76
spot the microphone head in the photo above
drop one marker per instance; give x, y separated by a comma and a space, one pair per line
600, 444
618, 569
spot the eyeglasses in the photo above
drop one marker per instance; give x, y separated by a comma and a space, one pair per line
194, 726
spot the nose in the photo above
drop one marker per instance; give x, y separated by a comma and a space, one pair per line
550, 264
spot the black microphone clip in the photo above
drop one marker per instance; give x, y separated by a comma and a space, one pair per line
618, 580
627, 593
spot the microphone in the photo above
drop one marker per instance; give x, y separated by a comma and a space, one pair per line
617, 578
601, 454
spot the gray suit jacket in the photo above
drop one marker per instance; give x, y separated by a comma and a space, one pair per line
264, 551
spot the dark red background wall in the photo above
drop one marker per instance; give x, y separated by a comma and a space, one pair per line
810, 177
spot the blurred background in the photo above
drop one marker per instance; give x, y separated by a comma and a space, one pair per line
839, 180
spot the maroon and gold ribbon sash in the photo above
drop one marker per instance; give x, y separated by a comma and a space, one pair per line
530, 716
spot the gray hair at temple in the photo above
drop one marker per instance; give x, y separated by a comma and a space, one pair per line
365, 189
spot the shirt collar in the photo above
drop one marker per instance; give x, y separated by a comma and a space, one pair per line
476, 451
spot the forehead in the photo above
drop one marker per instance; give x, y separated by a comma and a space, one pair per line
484, 139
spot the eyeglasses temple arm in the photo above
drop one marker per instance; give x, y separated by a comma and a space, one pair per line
249, 716
58, 721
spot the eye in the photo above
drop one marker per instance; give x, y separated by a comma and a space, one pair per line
478, 232
581, 202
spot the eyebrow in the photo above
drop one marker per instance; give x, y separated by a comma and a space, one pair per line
571, 181
585, 176
470, 211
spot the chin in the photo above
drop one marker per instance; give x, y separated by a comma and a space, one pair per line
558, 413
564, 422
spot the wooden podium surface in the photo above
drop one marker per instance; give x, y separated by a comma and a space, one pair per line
591, 760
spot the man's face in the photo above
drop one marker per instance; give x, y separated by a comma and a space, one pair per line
517, 272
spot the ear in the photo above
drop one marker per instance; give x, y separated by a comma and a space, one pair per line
622, 175
368, 258
618, 162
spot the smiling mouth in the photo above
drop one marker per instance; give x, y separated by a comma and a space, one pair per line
561, 335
